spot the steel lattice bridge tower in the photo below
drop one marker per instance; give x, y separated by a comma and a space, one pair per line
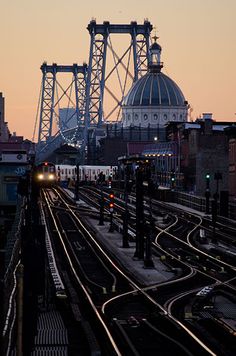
89, 84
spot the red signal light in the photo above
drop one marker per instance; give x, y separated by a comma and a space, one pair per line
45, 163
111, 202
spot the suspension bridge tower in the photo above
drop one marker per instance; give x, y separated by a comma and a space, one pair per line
90, 84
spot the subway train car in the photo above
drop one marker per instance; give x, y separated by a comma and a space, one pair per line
87, 174
44, 174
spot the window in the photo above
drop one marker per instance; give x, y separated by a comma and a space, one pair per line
136, 116
174, 117
165, 117
155, 116
128, 117
145, 116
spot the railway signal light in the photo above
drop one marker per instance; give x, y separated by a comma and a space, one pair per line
207, 176
172, 179
111, 209
111, 201
109, 180
207, 180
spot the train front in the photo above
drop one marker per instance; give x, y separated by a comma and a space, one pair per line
45, 174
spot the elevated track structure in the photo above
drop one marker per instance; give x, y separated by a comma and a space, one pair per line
89, 85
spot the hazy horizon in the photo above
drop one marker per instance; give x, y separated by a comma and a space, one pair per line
197, 39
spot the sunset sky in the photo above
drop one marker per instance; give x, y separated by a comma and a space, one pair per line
198, 39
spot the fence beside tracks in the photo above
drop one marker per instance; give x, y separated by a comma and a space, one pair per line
199, 203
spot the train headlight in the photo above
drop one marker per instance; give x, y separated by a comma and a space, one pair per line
51, 177
40, 176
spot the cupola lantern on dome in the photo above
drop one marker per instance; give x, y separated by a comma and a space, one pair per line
155, 64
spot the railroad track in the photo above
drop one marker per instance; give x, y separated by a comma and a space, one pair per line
119, 335
210, 271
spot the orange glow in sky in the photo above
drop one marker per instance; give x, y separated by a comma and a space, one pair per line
198, 40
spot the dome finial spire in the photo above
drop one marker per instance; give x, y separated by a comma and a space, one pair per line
155, 51
155, 37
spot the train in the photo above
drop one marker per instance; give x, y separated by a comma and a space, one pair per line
87, 173
49, 174
44, 174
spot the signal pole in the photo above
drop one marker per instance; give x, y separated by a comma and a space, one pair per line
77, 183
148, 262
207, 193
139, 252
214, 218
101, 217
111, 209
126, 213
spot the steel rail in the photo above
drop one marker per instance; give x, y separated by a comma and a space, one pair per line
103, 324
103, 288
10, 306
189, 332
195, 248
147, 296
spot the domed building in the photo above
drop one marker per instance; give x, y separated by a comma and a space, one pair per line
154, 99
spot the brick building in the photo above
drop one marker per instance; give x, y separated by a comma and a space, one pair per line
203, 150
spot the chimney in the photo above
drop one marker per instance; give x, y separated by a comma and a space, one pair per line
2, 114
207, 118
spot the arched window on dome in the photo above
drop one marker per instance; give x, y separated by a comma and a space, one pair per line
181, 117
165, 117
136, 116
128, 117
145, 116
155, 117
174, 117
